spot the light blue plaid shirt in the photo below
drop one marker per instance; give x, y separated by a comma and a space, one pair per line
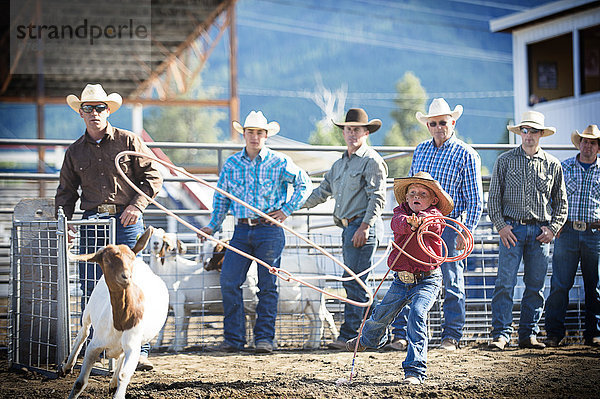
583, 190
262, 182
457, 167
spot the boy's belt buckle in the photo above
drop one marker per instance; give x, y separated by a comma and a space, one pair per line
111, 209
579, 226
406, 277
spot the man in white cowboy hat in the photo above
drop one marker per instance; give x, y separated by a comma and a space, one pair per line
260, 177
457, 167
357, 184
89, 166
528, 205
578, 241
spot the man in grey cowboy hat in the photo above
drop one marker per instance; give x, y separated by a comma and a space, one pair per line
357, 184
528, 206
89, 174
578, 242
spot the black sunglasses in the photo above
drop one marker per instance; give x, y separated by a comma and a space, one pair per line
441, 123
530, 130
87, 108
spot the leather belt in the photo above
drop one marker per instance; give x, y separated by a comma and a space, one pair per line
251, 222
111, 209
525, 221
583, 226
411, 278
346, 222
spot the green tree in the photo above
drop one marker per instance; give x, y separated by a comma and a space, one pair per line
406, 130
326, 135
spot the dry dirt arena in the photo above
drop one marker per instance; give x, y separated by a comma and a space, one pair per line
472, 372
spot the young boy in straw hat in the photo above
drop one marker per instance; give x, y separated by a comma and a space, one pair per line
419, 196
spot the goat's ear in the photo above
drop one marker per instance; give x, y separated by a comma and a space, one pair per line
181, 247
94, 257
143, 240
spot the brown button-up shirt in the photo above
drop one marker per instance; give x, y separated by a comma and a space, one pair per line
91, 166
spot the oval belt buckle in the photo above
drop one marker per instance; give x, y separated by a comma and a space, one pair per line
579, 226
406, 277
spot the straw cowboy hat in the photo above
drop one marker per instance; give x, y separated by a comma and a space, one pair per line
439, 107
590, 132
256, 120
445, 204
95, 93
535, 120
358, 117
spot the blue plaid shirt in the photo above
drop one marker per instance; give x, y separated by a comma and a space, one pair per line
457, 167
583, 190
262, 182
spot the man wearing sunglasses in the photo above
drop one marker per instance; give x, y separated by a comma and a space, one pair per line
578, 242
457, 166
528, 206
89, 174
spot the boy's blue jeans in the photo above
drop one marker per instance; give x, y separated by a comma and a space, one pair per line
571, 249
421, 295
536, 257
265, 242
454, 295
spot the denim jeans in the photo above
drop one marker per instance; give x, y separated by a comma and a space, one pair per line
92, 239
535, 257
357, 260
454, 295
571, 248
421, 296
266, 243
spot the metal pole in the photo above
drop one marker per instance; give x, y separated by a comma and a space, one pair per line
40, 102
234, 101
64, 331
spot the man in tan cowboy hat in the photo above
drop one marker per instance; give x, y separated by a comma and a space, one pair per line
418, 197
260, 177
457, 167
528, 206
89, 166
578, 241
357, 184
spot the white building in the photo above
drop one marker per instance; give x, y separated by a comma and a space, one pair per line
556, 64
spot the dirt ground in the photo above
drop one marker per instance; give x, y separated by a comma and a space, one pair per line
472, 372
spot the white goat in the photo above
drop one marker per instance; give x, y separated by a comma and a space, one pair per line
127, 308
190, 285
296, 298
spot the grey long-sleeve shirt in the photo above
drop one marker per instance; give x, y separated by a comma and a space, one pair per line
357, 184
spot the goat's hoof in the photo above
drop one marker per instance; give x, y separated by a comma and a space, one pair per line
61, 371
112, 390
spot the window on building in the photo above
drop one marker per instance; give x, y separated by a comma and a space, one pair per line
589, 44
550, 64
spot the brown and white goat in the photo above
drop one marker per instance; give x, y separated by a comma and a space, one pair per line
127, 308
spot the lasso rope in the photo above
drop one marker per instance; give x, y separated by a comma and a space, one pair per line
279, 272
